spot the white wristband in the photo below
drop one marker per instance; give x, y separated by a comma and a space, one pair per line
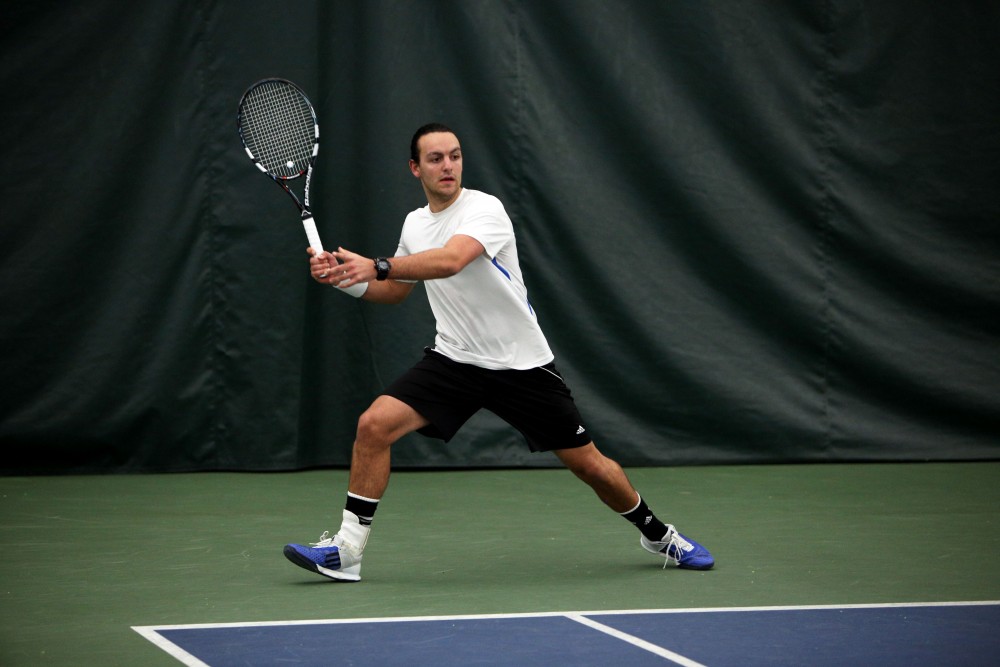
356, 290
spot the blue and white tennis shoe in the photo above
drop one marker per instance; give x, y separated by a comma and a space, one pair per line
331, 557
683, 551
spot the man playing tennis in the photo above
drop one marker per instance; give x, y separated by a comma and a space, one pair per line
489, 353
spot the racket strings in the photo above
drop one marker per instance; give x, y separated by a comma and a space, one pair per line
278, 128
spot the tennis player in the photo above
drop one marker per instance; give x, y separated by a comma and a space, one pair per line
489, 353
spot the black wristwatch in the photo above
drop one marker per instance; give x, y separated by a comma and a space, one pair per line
382, 268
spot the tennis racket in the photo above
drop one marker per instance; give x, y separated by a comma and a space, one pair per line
278, 127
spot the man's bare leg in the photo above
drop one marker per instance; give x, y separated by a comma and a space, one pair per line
612, 486
339, 557
602, 474
387, 420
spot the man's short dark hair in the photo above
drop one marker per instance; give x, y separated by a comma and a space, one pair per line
429, 128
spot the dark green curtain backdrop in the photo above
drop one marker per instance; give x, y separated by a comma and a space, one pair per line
753, 232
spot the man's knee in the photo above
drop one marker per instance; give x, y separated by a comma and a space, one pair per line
385, 421
371, 428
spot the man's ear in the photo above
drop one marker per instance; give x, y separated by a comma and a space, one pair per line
414, 168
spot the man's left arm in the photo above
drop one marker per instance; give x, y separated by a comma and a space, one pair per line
427, 265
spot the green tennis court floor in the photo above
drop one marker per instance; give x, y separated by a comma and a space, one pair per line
85, 559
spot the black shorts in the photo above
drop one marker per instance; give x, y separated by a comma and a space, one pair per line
536, 401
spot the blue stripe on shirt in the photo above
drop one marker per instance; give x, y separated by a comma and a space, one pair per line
505, 272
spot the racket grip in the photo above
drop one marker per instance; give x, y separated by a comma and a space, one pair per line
312, 234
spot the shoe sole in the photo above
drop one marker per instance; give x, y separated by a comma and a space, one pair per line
695, 567
306, 564
684, 566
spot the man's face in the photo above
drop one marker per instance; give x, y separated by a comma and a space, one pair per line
440, 168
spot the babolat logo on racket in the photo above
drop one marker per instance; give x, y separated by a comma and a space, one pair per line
305, 198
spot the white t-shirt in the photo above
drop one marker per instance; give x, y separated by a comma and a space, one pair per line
483, 314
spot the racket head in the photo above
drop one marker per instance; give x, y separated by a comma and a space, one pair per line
278, 128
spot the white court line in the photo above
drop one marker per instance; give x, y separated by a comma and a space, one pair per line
171, 648
475, 617
675, 658
801, 607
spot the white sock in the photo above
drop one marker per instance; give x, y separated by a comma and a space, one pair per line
353, 532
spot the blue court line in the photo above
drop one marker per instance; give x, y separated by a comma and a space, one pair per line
959, 633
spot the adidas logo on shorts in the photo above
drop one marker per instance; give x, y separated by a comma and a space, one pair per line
580, 430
